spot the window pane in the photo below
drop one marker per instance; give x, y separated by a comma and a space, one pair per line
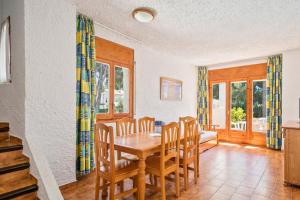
238, 106
102, 83
5, 52
259, 120
219, 105
121, 97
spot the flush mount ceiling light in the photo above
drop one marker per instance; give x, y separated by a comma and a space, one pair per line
143, 15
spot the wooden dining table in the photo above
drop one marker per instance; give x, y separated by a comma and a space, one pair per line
141, 145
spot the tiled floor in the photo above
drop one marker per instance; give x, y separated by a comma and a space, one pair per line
228, 171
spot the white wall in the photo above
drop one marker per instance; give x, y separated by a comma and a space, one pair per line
150, 66
290, 85
51, 83
12, 96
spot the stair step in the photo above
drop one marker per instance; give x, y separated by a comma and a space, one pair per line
11, 155
14, 164
15, 175
4, 136
11, 144
4, 127
14, 187
29, 196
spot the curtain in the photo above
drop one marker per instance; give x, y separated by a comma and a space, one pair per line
274, 102
202, 96
85, 95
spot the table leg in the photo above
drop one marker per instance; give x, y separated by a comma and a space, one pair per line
141, 177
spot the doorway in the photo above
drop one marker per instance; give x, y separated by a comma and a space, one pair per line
237, 103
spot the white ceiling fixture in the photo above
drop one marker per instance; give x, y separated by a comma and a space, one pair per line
143, 15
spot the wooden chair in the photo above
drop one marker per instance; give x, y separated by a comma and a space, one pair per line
182, 121
190, 152
124, 127
168, 161
107, 168
146, 125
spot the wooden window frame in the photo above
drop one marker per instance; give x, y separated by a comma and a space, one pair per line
119, 56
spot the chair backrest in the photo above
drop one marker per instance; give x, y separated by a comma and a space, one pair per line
146, 124
170, 136
104, 148
191, 138
183, 120
125, 126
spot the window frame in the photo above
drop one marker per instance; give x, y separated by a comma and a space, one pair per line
111, 116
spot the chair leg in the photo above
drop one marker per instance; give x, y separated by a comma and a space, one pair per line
97, 188
121, 184
151, 179
185, 175
163, 187
135, 181
195, 170
112, 191
177, 182
104, 191
155, 181
198, 165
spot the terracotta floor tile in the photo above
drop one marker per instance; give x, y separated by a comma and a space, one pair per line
226, 172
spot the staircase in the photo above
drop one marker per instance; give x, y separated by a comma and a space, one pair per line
16, 182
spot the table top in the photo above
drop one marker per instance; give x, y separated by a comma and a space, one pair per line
138, 142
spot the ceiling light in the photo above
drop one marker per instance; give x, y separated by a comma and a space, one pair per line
143, 15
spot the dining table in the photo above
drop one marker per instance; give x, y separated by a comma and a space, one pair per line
142, 145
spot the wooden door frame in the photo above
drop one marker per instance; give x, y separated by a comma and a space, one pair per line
247, 73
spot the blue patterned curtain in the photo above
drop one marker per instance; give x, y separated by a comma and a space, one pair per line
274, 102
202, 97
85, 95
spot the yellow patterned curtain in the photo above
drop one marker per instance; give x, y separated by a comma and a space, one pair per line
85, 95
274, 102
202, 97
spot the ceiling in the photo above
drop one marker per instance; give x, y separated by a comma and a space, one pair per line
205, 32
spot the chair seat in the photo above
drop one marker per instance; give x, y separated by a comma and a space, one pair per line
128, 156
207, 136
122, 167
153, 164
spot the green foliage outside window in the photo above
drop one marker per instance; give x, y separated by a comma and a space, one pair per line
237, 114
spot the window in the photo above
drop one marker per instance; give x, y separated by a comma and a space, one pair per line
219, 104
259, 119
238, 105
114, 81
102, 85
121, 95
5, 52
216, 91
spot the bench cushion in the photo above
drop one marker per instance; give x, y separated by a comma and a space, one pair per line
207, 136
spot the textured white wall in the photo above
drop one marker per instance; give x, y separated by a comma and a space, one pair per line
150, 66
12, 96
290, 85
51, 83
